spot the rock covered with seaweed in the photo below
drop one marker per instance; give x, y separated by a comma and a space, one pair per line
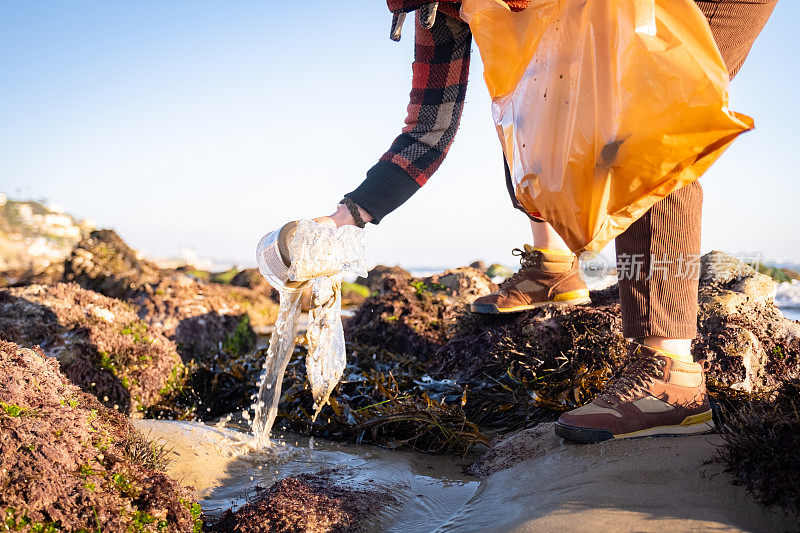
414, 316
208, 323
307, 502
426, 373
104, 263
211, 323
748, 343
69, 463
101, 343
762, 436
423, 372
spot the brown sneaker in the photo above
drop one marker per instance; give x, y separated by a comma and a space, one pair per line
546, 277
654, 395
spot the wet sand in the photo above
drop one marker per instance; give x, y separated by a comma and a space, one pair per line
654, 484
224, 469
532, 481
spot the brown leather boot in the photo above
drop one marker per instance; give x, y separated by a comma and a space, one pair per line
654, 395
546, 277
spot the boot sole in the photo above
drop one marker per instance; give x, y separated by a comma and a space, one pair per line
692, 425
492, 309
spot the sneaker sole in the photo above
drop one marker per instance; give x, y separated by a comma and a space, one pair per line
571, 299
692, 425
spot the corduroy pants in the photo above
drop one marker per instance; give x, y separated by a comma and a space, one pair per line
658, 255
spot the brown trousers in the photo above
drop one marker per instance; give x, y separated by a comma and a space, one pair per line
658, 255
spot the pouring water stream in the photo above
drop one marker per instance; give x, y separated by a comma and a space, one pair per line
319, 255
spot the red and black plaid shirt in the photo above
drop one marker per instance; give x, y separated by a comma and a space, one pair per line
438, 87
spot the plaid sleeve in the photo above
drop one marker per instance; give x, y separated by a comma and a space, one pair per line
440, 72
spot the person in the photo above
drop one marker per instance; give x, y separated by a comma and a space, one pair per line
661, 390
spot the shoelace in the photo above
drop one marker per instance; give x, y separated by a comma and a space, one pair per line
527, 261
639, 372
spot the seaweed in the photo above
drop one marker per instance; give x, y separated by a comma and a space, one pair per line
762, 443
388, 401
425, 373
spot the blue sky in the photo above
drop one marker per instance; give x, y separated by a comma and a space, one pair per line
197, 124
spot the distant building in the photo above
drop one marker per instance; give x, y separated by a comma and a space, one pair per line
87, 224
55, 208
25, 213
60, 226
34, 236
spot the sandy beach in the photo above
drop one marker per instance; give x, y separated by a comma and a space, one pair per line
530, 481
652, 484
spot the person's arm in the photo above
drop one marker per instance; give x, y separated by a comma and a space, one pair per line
440, 72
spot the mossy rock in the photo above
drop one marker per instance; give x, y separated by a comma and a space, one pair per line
354, 294
102, 262
425, 372
101, 343
374, 279
67, 463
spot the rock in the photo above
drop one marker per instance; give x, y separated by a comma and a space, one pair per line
47, 275
551, 357
478, 265
413, 315
101, 343
102, 262
419, 360
498, 271
461, 285
11, 277
210, 324
306, 502
514, 448
198, 316
354, 294
729, 286
374, 279
251, 278
748, 343
69, 463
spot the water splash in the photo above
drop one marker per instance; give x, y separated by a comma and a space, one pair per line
281, 346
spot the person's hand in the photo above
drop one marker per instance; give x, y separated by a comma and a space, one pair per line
341, 217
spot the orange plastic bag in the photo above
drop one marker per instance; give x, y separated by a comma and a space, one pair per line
603, 107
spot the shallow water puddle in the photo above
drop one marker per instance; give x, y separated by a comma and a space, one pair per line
224, 467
